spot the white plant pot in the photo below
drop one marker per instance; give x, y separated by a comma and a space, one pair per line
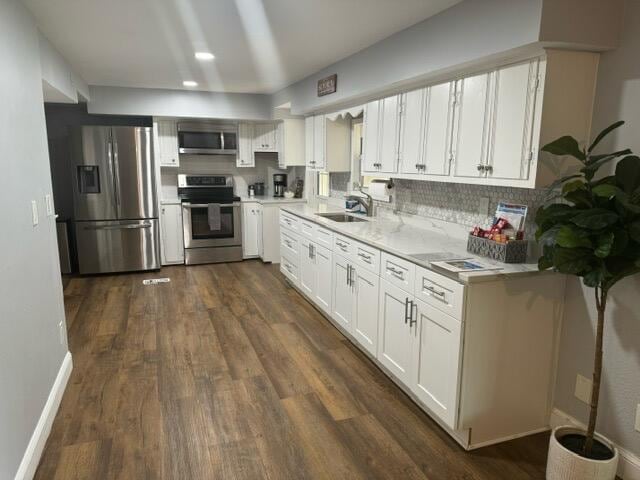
563, 464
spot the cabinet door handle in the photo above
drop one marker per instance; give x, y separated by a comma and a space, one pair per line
406, 310
411, 319
396, 273
348, 274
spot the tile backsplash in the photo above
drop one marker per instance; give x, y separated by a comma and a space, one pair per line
458, 203
450, 202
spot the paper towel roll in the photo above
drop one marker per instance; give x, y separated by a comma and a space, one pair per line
378, 190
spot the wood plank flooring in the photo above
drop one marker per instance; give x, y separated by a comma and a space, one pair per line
228, 373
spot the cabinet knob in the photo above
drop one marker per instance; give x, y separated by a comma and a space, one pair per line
480, 167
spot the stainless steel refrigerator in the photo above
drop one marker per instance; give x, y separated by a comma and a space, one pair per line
115, 208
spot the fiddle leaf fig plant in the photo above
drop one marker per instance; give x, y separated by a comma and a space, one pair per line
593, 233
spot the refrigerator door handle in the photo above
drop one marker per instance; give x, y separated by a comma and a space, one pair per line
133, 226
116, 177
112, 171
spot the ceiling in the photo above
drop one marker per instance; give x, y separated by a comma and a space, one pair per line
260, 46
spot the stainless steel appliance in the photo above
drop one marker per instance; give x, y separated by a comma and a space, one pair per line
203, 138
279, 184
202, 244
115, 208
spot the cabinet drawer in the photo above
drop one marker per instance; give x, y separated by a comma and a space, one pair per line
289, 244
366, 257
343, 245
440, 292
289, 221
324, 237
308, 229
398, 272
290, 270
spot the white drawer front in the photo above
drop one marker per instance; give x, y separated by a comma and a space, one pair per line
440, 292
290, 270
324, 237
344, 246
289, 244
289, 221
398, 272
366, 257
308, 229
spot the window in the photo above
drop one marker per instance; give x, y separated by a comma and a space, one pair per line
323, 185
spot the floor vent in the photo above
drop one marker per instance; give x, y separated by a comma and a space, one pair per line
155, 281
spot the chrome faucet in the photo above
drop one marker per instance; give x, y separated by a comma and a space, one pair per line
366, 204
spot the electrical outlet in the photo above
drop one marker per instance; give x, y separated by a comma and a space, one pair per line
34, 212
483, 205
638, 418
583, 389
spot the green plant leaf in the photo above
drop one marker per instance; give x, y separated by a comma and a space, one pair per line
555, 212
602, 156
620, 242
566, 145
594, 278
580, 198
595, 218
604, 244
548, 236
569, 236
604, 133
560, 181
572, 260
628, 173
605, 190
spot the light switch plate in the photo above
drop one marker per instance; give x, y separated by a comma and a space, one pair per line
48, 201
638, 418
583, 389
34, 212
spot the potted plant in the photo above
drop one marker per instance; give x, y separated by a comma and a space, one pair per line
592, 233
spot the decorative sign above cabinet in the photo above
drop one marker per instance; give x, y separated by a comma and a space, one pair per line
327, 85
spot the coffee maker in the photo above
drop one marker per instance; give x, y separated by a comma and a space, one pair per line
279, 184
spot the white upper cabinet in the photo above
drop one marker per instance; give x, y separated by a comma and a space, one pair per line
167, 133
412, 125
370, 134
515, 91
265, 138
437, 155
291, 143
328, 143
381, 136
485, 128
308, 142
245, 156
470, 129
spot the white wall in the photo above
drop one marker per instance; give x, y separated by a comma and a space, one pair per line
178, 103
59, 82
31, 305
617, 97
472, 34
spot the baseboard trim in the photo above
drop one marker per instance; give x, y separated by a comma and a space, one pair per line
629, 465
32, 454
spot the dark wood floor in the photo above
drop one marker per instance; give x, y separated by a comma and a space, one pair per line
227, 373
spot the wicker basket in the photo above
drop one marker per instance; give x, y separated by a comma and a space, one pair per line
514, 251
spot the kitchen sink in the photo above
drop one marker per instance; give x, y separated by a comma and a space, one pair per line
340, 217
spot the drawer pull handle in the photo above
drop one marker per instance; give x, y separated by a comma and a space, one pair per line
396, 273
343, 246
366, 258
288, 243
440, 293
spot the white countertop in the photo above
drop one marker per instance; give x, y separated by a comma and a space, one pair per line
266, 199
393, 235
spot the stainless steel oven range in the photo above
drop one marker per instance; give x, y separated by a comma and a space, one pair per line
210, 218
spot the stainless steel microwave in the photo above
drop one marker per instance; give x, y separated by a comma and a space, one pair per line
202, 138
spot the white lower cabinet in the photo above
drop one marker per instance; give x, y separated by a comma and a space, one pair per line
251, 230
366, 287
308, 273
315, 269
342, 309
436, 353
394, 333
171, 233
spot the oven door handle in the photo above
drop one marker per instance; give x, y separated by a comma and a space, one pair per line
205, 205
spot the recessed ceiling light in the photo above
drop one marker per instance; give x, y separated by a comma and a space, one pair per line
190, 83
205, 56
